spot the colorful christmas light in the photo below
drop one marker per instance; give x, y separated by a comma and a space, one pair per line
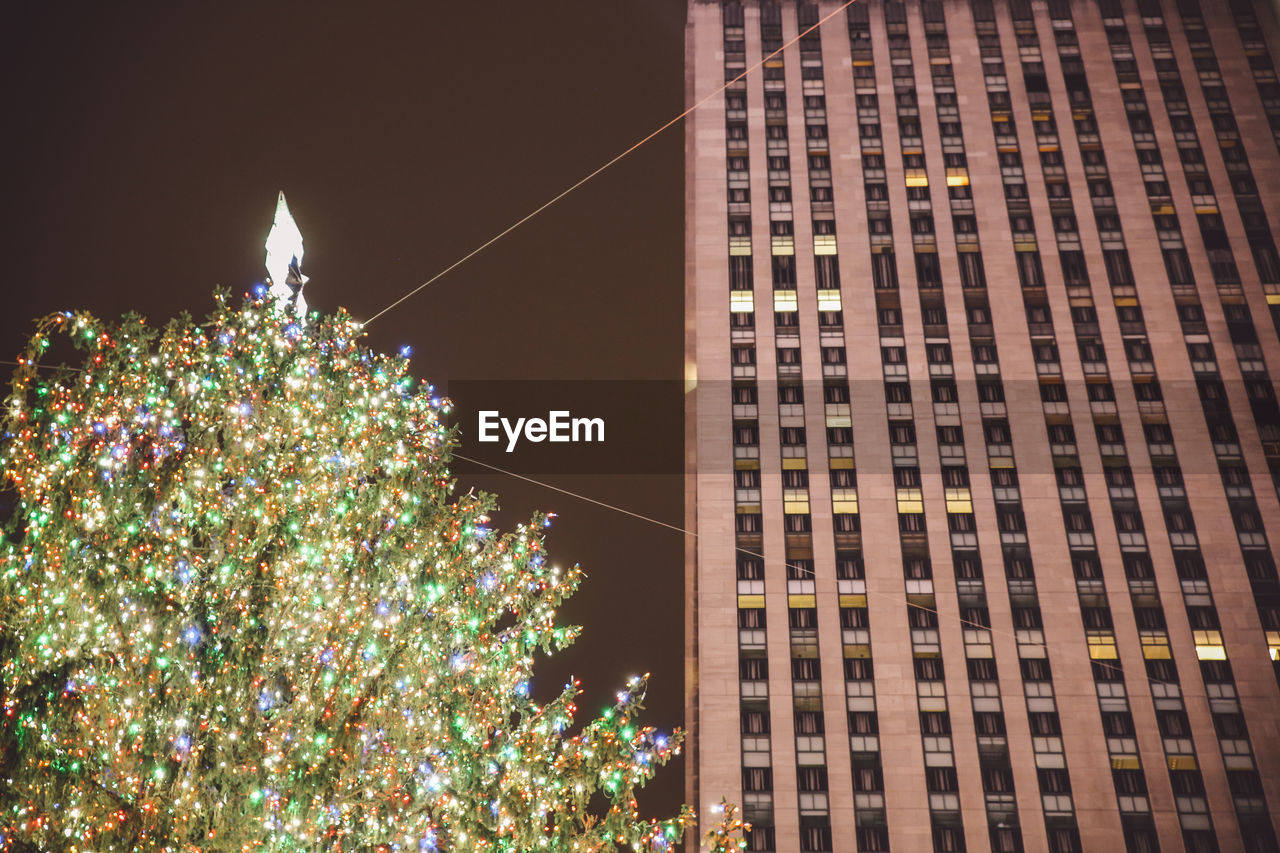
241, 609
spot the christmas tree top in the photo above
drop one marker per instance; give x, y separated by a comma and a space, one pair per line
284, 262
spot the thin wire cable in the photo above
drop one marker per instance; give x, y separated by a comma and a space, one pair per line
41, 366
573, 494
801, 569
486, 244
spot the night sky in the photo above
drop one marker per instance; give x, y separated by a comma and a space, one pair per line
145, 146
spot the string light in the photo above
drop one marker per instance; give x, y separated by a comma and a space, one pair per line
241, 609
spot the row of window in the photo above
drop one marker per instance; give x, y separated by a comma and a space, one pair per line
1020, 582
810, 742
1195, 820
932, 703
1109, 677
757, 796
1176, 508
802, 614
1036, 667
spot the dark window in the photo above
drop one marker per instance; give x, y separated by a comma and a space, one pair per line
971, 271
884, 272
827, 272
1030, 273
1119, 273
1178, 267
928, 273
757, 779
784, 271
755, 722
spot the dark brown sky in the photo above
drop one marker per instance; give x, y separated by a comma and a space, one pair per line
143, 148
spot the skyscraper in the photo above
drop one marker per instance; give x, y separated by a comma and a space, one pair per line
983, 447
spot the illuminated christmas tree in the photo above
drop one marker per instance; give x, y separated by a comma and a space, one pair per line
241, 608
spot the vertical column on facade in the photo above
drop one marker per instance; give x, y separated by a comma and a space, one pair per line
1242, 776
807, 719
757, 771
1127, 772
939, 759
872, 832
869, 820
714, 673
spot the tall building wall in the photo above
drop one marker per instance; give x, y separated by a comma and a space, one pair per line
982, 325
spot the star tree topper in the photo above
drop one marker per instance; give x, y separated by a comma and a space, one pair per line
284, 262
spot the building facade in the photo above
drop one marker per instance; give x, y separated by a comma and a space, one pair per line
983, 447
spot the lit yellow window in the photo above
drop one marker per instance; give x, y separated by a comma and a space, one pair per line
957, 177
741, 301
795, 501
794, 463
1209, 645
910, 500
739, 246
824, 244
783, 245
828, 300
785, 300
1102, 645
1155, 646
917, 178
1273, 644
844, 501
959, 500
